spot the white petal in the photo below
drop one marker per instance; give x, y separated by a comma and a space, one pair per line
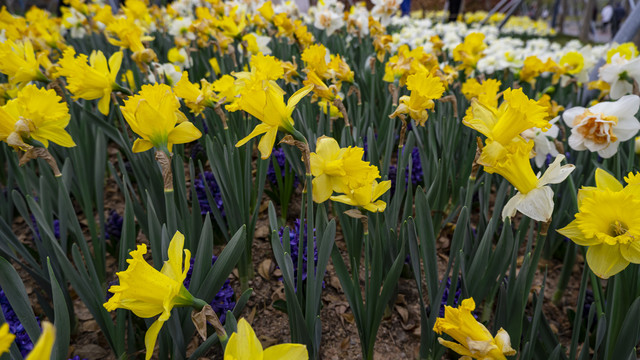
537, 204
556, 173
569, 115
609, 151
626, 128
576, 141
511, 206
620, 88
626, 106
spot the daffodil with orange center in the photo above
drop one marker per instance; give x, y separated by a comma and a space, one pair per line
608, 222
474, 341
148, 292
153, 114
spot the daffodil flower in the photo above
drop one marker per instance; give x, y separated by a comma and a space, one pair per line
36, 114
424, 89
245, 345
536, 199
267, 105
366, 196
608, 222
603, 126
149, 292
153, 114
474, 341
95, 80
338, 169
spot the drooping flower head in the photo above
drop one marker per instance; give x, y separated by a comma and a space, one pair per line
474, 341
148, 292
267, 105
245, 345
95, 80
366, 196
608, 222
153, 114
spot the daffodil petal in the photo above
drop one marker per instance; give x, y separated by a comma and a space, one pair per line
151, 336
286, 352
605, 260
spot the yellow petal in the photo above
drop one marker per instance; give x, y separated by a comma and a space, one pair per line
604, 180
266, 143
321, 188
244, 344
150, 338
141, 145
573, 232
42, 349
286, 352
259, 129
605, 260
103, 104
6, 338
184, 133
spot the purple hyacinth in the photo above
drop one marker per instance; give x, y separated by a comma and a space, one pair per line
113, 226
196, 150
77, 357
445, 296
225, 298
417, 175
281, 159
294, 241
24, 343
56, 227
200, 181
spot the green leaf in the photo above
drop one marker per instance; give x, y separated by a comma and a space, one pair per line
61, 321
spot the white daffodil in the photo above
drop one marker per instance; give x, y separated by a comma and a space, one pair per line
603, 126
384, 9
543, 141
620, 74
538, 203
328, 19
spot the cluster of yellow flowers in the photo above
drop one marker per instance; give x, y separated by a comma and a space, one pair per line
507, 153
342, 170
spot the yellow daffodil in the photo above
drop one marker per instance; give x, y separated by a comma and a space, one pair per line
474, 341
267, 105
44, 346
424, 89
366, 196
627, 51
263, 69
486, 92
266, 10
245, 345
572, 62
531, 69
340, 69
608, 222
195, 96
6, 338
316, 59
470, 51
502, 125
95, 80
148, 292
153, 114
19, 62
320, 89
37, 114
338, 169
